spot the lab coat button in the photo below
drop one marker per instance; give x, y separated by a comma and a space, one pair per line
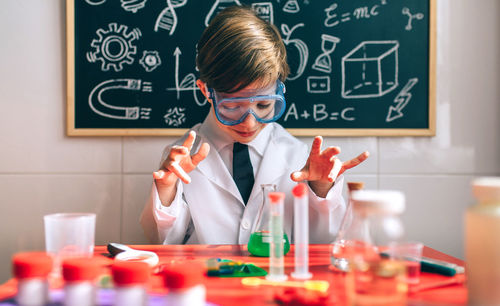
245, 224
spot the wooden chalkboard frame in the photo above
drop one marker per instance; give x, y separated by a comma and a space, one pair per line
70, 114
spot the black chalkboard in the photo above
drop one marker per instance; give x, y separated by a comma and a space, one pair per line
361, 68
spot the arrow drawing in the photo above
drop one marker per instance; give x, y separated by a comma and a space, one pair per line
188, 83
401, 100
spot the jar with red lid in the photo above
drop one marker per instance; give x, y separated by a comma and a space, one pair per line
131, 279
79, 281
185, 284
31, 269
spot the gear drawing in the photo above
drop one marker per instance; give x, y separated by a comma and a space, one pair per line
114, 47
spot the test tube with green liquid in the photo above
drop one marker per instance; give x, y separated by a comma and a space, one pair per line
276, 257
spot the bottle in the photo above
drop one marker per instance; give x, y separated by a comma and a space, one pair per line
339, 262
130, 279
258, 244
185, 284
482, 243
79, 276
31, 270
374, 279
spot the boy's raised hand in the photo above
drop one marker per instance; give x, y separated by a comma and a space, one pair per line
323, 167
180, 162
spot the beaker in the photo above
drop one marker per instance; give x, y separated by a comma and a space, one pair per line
258, 244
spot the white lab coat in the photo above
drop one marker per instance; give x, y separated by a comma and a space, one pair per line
210, 209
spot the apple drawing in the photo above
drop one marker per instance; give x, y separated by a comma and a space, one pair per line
295, 46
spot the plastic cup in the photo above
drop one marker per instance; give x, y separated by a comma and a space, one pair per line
69, 235
410, 253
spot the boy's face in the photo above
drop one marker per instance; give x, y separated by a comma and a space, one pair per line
245, 131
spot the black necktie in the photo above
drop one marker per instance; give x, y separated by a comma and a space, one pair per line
242, 170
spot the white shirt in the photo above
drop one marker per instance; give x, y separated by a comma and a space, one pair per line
210, 210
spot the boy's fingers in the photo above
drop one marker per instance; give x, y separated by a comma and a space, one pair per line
201, 154
188, 143
158, 175
337, 166
331, 151
357, 160
298, 176
179, 172
316, 145
182, 150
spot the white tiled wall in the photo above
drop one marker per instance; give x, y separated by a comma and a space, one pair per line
44, 171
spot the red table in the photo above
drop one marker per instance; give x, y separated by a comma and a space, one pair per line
230, 291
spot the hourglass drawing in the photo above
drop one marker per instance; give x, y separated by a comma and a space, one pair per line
323, 62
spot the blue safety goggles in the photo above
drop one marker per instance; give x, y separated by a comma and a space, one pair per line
264, 107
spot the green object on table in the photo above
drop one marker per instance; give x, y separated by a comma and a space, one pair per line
229, 268
258, 244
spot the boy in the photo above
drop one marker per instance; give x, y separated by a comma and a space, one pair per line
201, 193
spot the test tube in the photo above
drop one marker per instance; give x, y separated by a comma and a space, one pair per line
276, 247
301, 231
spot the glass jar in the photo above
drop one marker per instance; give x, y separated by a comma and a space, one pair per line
373, 278
338, 261
482, 243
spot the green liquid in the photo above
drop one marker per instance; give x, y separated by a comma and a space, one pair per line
258, 244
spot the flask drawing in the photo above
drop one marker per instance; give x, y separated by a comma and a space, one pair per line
218, 6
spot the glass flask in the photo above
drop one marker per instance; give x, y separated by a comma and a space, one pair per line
337, 252
259, 241
377, 275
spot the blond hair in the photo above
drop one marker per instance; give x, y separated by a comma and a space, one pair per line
238, 48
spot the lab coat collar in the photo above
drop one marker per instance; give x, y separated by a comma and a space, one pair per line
213, 168
271, 167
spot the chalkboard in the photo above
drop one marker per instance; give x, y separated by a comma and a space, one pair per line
358, 67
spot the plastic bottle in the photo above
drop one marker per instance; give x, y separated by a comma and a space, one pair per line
79, 276
482, 243
130, 279
374, 279
185, 284
31, 270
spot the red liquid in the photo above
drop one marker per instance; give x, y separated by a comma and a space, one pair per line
412, 272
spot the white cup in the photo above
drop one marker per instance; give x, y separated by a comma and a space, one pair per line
69, 235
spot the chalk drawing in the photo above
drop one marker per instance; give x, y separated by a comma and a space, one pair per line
100, 107
114, 47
